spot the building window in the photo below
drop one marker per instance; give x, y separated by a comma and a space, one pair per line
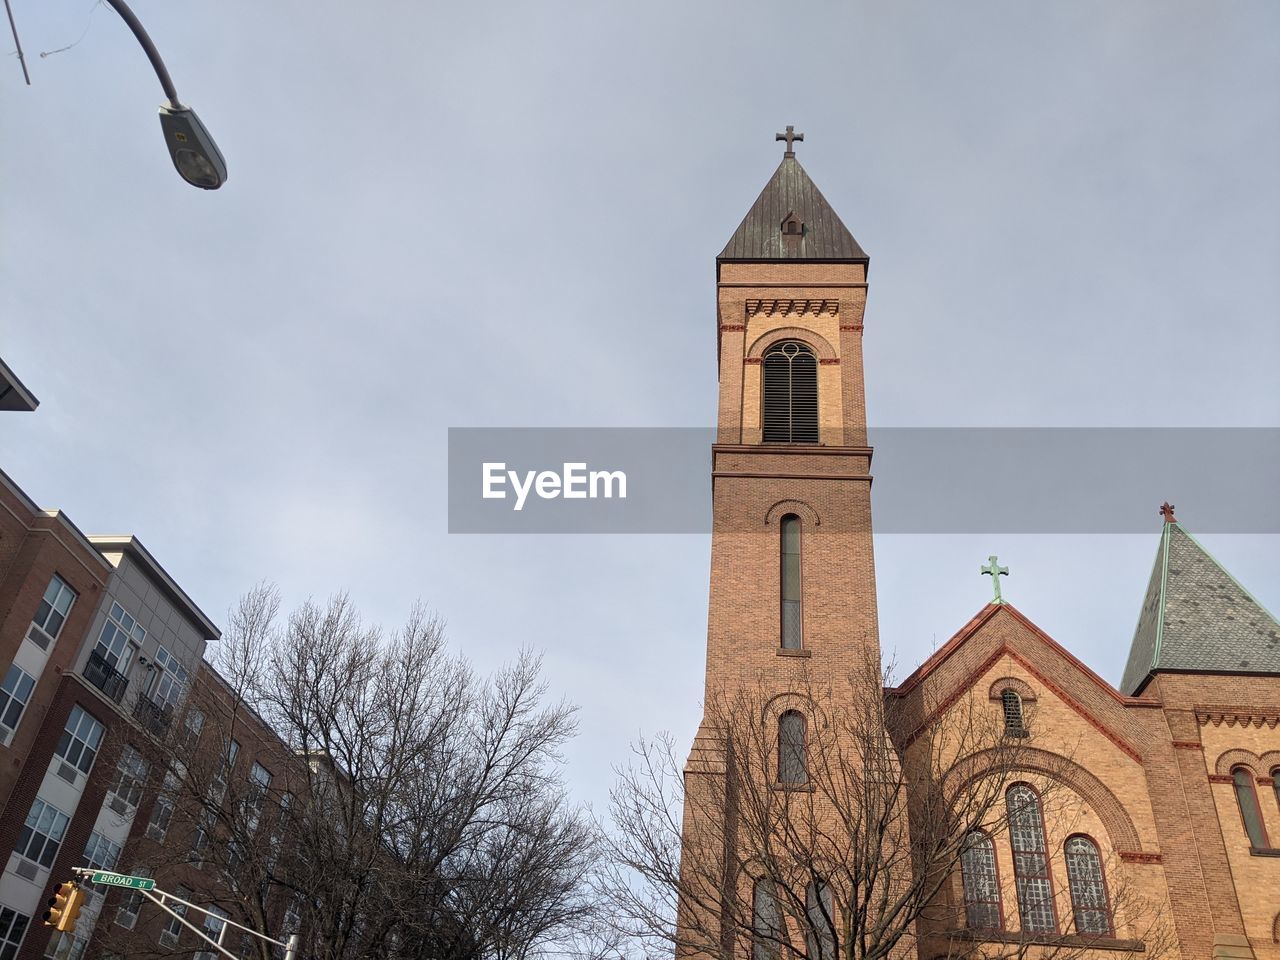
981, 882
170, 679
1088, 888
120, 635
766, 922
793, 768
127, 915
14, 694
1015, 724
42, 833
821, 935
214, 924
790, 394
125, 792
81, 739
173, 929
192, 725
1275, 786
101, 853
792, 634
1250, 812
1030, 861
166, 801
65, 946
52, 612
230, 750
12, 926
259, 783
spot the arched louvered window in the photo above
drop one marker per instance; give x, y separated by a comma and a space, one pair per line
1088, 888
790, 393
981, 882
766, 922
793, 767
1030, 860
820, 937
1250, 812
1014, 723
792, 636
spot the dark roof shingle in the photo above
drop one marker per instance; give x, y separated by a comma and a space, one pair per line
1196, 617
790, 191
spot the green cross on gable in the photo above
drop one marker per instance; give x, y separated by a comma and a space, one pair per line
995, 572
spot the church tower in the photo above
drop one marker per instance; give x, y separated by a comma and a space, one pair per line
792, 592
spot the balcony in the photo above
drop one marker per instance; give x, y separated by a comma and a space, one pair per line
153, 716
105, 677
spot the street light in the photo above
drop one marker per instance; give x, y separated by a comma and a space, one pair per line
196, 157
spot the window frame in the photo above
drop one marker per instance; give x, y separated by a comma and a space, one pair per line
768, 933
1249, 782
71, 738
989, 843
820, 909
9, 946
30, 831
65, 589
779, 350
137, 776
1067, 859
803, 750
1015, 720
134, 636
12, 698
784, 525
1019, 875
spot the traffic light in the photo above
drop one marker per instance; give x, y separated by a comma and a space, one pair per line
64, 907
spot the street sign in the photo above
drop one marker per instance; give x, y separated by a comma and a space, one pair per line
122, 880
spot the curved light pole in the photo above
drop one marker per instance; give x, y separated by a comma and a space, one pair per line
195, 155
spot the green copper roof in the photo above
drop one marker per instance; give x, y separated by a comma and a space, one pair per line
818, 235
1196, 617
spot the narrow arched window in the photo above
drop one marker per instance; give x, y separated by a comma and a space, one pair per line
1014, 723
1275, 786
1088, 888
790, 393
981, 882
790, 582
766, 922
820, 937
1250, 812
1030, 860
793, 767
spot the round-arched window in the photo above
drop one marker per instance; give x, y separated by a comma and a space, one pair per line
790, 393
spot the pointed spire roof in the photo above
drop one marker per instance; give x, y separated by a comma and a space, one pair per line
813, 231
1197, 618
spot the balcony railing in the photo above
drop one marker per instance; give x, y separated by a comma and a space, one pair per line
153, 716
105, 677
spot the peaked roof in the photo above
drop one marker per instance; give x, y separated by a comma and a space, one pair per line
1196, 617
790, 191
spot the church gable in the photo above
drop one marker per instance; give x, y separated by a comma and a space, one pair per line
1000, 649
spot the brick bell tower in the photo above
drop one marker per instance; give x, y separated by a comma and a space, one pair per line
792, 573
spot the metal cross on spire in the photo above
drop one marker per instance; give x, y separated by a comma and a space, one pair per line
1166, 511
993, 569
790, 136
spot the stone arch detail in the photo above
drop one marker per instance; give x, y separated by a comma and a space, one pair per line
1267, 762
1020, 687
1275, 929
1239, 758
1119, 825
783, 507
820, 346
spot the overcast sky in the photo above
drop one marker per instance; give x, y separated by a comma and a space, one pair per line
507, 214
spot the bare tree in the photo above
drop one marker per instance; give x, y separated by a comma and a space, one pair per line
416, 809
835, 820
